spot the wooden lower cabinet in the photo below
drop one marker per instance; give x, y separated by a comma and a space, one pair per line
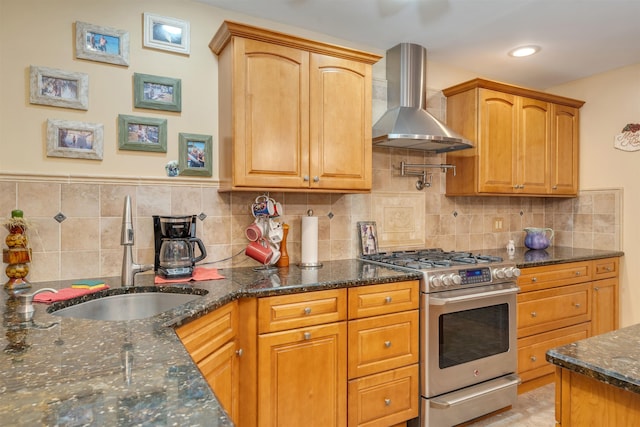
384, 399
583, 401
302, 377
560, 304
221, 369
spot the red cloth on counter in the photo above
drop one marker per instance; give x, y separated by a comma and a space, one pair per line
199, 273
65, 294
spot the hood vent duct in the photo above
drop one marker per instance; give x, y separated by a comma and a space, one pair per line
407, 124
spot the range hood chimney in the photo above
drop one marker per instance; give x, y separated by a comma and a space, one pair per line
407, 124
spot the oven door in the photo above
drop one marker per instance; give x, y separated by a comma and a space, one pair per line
470, 337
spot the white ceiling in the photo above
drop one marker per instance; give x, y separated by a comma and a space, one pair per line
578, 38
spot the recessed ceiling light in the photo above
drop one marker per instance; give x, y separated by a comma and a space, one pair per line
524, 51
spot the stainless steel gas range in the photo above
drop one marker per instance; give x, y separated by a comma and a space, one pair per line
468, 353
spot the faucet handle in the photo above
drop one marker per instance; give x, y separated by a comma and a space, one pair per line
26, 301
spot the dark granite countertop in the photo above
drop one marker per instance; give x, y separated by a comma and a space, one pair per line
65, 371
611, 358
524, 257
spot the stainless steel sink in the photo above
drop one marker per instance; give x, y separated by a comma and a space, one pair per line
128, 306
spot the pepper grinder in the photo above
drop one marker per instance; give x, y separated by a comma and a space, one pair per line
284, 256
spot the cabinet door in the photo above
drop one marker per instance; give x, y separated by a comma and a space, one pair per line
497, 142
271, 121
221, 370
605, 306
564, 151
302, 377
534, 129
340, 123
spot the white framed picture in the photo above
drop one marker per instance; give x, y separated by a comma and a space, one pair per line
164, 33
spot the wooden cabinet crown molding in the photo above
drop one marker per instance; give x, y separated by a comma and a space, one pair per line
230, 29
513, 90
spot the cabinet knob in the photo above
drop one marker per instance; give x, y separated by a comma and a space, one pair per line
555, 187
577, 305
387, 344
534, 314
239, 352
608, 268
534, 279
533, 358
307, 335
387, 300
387, 402
596, 289
316, 179
305, 178
577, 273
307, 310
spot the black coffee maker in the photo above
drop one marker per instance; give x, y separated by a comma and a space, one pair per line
175, 245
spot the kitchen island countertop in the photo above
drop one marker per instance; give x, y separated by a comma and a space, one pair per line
611, 358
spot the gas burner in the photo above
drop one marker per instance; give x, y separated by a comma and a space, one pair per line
431, 258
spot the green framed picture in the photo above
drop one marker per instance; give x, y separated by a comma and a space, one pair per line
195, 155
156, 92
142, 133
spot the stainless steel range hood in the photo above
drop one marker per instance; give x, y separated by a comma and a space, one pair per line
407, 124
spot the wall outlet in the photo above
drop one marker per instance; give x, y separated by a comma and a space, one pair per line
498, 224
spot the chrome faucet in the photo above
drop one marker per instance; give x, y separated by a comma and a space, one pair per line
129, 268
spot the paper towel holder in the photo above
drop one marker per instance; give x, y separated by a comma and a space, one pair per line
310, 265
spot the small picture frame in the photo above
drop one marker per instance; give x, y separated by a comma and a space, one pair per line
195, 155
76, 140
368, 237
142, 133
59, 88
157, 93
164, 33
102, 44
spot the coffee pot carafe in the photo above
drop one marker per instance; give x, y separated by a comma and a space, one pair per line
175, 246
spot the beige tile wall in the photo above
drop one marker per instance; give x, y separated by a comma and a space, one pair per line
87, 242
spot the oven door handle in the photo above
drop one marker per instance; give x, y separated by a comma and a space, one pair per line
444, 402
471, 297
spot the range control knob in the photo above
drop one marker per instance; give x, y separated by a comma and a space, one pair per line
516, 271
435, 281
499, 273
451, 279
456, 278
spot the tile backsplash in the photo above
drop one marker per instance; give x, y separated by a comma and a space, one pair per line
87, 242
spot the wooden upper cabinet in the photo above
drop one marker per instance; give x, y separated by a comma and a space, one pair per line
294, 114
525, 142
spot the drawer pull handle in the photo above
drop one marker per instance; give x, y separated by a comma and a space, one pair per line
387, 344
534, 314
307, 335
307, 310
596, 289
534, 279
577, 305
608, 268
577, 273
388, 300
239, 352
387, 402
533, 358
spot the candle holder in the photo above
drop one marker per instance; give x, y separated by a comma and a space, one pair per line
17, 255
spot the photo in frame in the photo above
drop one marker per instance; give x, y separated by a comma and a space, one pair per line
59, 88
142, 133
102, 44
195, 154
164, 33
76, 140
156, 92
368, 237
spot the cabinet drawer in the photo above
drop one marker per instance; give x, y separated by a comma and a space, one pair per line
605, 268
206, 334
384, 342
284, 312
549, 276
384, 399
542, 311
532, 350
387, 298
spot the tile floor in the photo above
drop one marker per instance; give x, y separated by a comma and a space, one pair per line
533, 409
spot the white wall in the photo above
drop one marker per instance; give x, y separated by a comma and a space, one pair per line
612, 101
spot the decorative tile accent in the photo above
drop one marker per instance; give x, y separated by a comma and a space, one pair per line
400, 219
60, 217
330, 215
202, 216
